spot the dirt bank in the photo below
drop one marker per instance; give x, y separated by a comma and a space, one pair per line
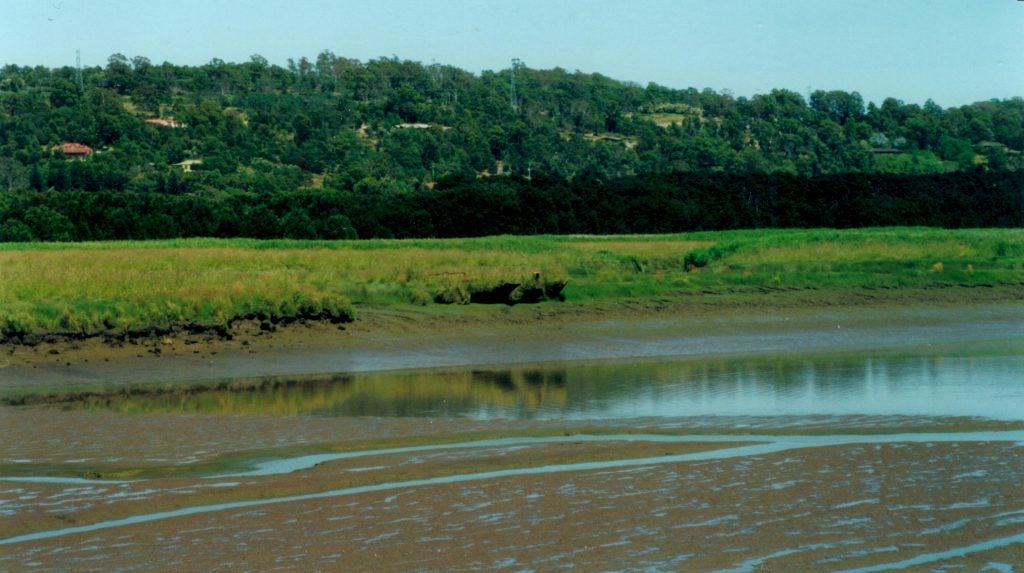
429, 336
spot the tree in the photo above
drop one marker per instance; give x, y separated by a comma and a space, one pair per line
338, 227
15, 231
118, 74
258, 73
12, 174
837, 106
956, 150
63, 93
297, 224
48, 224
995, 157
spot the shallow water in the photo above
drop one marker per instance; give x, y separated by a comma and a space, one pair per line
984, 380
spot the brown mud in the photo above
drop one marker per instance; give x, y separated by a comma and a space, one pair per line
57, 360
113, 499
817, 509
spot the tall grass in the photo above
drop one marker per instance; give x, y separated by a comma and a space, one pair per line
91, 288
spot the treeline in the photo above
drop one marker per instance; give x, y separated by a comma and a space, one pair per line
393, 126
465, 207
338, 148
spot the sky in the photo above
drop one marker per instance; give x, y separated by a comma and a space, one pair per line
954, 52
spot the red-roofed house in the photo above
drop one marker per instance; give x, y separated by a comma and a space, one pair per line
72, 149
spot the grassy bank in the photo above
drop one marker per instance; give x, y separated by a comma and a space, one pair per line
124, 287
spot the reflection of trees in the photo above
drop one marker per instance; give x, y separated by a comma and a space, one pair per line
527, 390
382, 394
780, 377
690, 385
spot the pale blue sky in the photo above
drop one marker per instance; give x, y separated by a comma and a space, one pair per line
953, 51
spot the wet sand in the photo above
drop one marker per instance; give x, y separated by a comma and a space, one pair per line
41, 440
847, 507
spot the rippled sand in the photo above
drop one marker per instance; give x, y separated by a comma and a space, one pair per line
821, 508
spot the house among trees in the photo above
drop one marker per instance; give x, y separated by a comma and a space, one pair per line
72, 149
165, 122
187, 165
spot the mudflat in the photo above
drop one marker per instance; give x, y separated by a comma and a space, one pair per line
712, 502
103, 489
440, 336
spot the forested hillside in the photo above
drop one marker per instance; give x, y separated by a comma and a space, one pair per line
335, 147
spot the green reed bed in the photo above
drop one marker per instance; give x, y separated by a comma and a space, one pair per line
123, 287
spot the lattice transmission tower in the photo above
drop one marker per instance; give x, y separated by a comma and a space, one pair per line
78, 72
513, 97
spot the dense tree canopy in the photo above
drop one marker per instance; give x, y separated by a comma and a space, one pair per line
335, 135
462, 207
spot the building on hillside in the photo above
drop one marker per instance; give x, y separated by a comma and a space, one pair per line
72, 149
187, 165
165, 122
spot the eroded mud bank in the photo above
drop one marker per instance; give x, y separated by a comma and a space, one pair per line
513, 336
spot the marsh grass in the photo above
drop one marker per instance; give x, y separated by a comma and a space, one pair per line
121, 287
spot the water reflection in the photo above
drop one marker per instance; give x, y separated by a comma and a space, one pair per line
425, 393
981, 384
